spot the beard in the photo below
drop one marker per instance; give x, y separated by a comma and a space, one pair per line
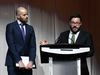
23, 21
78, 29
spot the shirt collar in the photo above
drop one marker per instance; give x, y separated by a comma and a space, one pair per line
76, 33
18, 22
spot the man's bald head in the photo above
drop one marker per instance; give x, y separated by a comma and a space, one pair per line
22, 14
19, 9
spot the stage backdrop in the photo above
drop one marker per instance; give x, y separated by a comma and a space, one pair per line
49, 18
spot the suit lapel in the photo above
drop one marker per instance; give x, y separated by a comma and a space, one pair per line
79, 37
19, 30
26, 26
67, 35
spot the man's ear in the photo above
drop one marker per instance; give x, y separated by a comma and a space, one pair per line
18, 16
81, 23
69, 23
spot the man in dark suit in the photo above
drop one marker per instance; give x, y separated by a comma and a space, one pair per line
21, 41
81, 37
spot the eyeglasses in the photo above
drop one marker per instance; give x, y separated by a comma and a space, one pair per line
77, 23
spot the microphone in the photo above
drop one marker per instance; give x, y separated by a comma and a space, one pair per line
72, 41
68, 38
56, 40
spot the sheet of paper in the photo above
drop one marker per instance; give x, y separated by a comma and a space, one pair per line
25, 60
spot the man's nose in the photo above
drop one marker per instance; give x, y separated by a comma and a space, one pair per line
27, 16
75, 24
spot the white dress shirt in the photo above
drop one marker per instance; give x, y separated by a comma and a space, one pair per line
70, 36
20, 26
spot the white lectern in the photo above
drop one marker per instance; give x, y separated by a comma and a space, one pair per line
63, 59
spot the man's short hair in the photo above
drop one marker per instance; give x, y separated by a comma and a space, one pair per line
75, 16
17, 11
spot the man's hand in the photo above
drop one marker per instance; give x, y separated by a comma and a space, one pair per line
21, 65
29, 65
45, 42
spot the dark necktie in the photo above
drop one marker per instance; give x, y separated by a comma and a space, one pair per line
73, 38
22, 29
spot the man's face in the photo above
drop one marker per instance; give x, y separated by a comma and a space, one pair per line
23, 16
75, 24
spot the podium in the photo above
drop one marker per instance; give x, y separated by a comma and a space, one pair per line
63, 59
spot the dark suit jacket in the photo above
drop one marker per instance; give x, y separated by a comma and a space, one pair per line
84, 38
17, 46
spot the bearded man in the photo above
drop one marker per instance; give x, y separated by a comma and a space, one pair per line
76, 36
21, 41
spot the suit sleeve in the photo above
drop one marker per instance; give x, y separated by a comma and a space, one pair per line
11, 43
32, 53
89, 42
58, 41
